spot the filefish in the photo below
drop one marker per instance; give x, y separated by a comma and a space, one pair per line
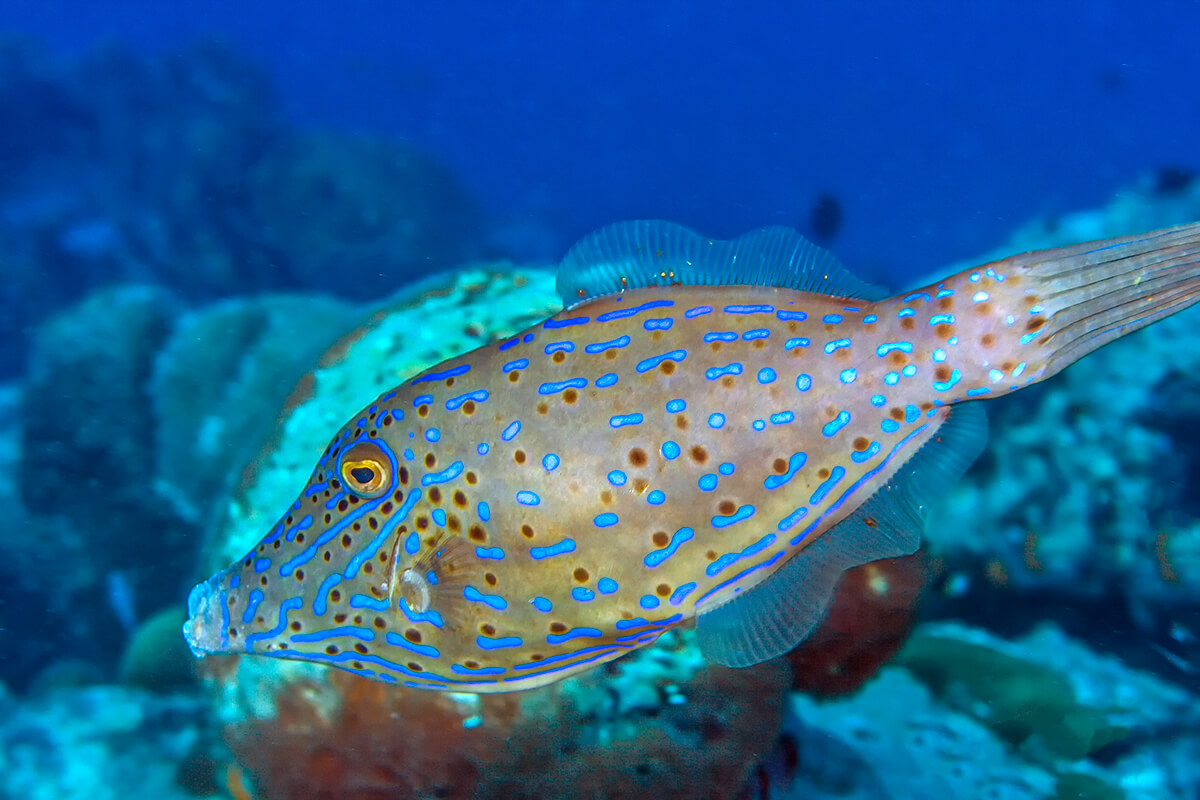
710, 431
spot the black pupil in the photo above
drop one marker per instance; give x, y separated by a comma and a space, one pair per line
364, 475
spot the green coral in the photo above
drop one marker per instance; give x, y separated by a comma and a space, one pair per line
1022, 701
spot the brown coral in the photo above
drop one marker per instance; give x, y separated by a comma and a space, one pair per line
872, 613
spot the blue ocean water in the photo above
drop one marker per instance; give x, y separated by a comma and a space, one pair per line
938, 127
199, 199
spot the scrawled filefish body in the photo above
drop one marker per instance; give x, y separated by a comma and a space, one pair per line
711, 430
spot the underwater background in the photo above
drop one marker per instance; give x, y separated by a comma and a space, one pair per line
223, 225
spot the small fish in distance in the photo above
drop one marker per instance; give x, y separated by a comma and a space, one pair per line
709, 430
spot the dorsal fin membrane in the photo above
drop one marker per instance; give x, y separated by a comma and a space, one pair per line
773, 617
645, 253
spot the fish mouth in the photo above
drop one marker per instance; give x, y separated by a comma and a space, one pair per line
207, 627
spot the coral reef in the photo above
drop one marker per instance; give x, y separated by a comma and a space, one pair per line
972, 715
182, 171
102, 743
659, 722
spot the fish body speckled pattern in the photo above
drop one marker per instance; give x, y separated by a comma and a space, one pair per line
710, 430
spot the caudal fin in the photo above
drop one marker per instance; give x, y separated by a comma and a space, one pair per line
1089, 294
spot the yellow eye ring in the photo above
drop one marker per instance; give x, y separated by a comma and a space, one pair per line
366, 470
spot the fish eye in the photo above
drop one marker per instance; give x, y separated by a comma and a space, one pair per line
366, 470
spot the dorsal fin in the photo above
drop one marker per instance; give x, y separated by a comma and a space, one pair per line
644, 253
773, 617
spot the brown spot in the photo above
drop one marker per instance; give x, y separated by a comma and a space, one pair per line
413, 635
422, 523
332, 650
714, 346
898, 358
611, 355
681, 421
570, 397
514, 376
423, 411
699, 454
660, 539
296, 626
759, 344
662, 590
983, 309
823, 473
472, 478
489, 578
386, 508
340, 618
430, 460
667, 367
527, 531
387, 421
779, 465
299, 574
368, 568
558, 627
435, 495
403, 480
896, 413
1035, 324
606, 497
342, 506
380, 623
558, 357
907, 323
519, 456
471, 664
944, 331
542, 408
861, 443
942, 373
468, 408
640, 485
946, 303
1007, 366
335, 596
711, 555
726, 507
728, 382
328, 518
346, 540
453, 524
476, 533
487, 629
637, 457
656, 336
581, 575
326, 556
460, 499
926, 406
987, 340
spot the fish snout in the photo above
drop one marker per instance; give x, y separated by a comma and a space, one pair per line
207, 627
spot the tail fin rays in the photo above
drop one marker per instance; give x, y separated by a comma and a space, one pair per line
1096, 292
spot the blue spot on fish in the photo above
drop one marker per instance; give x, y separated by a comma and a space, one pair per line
565, 546
837, 423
